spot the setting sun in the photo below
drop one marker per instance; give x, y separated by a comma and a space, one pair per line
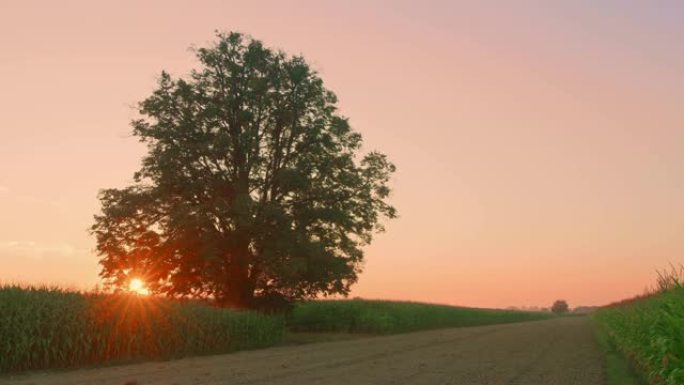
137, 286
498, 185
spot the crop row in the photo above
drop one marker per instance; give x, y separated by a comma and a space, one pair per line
649, 331
382, 317
51, 328
43, 328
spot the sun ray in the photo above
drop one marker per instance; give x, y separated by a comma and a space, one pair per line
137, 286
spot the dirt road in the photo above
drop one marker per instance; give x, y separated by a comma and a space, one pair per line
555, 352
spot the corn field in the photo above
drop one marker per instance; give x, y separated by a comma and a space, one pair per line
364, 316
649, 330
44, 328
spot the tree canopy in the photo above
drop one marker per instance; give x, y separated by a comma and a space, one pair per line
560, 307
253, 184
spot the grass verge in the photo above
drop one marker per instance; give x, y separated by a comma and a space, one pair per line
618, 370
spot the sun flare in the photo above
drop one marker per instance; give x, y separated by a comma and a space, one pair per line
137, 286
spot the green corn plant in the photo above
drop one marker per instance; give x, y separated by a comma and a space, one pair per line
384, 317
43, 327
649, 330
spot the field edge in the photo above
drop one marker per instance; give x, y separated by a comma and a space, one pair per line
618, 371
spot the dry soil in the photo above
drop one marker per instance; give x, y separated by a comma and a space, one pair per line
554, 352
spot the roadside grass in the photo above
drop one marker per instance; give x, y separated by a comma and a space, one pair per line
386, 317
649, 330
618, 370
46, 328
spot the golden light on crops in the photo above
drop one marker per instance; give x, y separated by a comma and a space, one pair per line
137, 286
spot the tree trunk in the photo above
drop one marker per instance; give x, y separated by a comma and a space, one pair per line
238, 292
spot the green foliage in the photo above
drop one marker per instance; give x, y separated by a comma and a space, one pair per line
253, 184
649, 331
618, 370
44, 328
361, 316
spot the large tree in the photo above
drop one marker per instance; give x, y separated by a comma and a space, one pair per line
253, 184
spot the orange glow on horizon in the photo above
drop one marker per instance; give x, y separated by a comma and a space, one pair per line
538, 146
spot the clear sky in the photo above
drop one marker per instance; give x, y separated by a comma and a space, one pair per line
539, 146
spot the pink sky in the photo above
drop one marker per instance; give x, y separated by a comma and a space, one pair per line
540, 147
